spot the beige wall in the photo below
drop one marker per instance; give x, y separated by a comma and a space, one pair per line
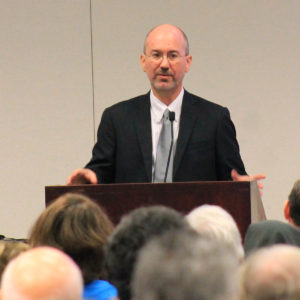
46, 119
246, 56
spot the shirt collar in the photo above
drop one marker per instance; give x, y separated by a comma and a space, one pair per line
158, 107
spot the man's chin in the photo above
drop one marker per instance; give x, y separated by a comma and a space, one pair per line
164, 86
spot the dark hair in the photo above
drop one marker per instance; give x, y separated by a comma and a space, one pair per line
134, 230
294, 201
77, 226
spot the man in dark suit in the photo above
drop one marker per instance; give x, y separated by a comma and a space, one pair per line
204, 136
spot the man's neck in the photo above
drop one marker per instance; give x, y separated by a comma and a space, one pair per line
291, 222
166, 97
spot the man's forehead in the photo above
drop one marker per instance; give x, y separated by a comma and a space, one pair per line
165, 40
166, 36
165, 33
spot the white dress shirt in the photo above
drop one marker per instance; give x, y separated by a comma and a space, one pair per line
157, 109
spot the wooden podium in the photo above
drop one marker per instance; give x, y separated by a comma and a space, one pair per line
241, 199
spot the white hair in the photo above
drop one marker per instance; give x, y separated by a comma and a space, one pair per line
216, 222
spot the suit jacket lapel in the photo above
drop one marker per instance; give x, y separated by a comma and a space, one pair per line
187, 120
144, 132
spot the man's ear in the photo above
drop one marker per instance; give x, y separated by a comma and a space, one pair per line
142, 60
286, 211
188, 63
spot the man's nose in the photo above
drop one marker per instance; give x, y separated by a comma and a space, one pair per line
165, 64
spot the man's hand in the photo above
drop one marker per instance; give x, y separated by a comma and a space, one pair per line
82, 176
237, 177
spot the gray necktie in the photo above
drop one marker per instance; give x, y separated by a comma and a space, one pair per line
163, 149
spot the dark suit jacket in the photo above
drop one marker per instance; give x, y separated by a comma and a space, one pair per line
268, 233
206, 148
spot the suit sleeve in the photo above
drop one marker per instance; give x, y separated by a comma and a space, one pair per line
227, 148
103, 155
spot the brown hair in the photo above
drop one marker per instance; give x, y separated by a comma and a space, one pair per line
77, 226
8, 251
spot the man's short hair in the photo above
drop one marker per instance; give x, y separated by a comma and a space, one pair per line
216, 222
134, 230
294, 202
180, 265
272, 273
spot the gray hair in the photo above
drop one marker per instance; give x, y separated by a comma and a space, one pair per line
183, 265
131, 234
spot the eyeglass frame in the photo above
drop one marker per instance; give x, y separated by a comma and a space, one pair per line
160, 56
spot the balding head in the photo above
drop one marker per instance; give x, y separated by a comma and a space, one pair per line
42, 273
162, 30
272, 273
165, 60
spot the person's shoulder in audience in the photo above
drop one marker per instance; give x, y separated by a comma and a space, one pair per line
270, 232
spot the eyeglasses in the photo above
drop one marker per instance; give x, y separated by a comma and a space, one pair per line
171, 56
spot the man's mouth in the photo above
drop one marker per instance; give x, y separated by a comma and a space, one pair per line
164, 76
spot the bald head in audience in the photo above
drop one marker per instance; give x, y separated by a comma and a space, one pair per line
272, 273
215, 222
42, 273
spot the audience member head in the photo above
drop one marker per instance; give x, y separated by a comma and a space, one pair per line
42, 273
292, 205
272, 273
8, 251
77, 226
216, 222
134, 230
183, 265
